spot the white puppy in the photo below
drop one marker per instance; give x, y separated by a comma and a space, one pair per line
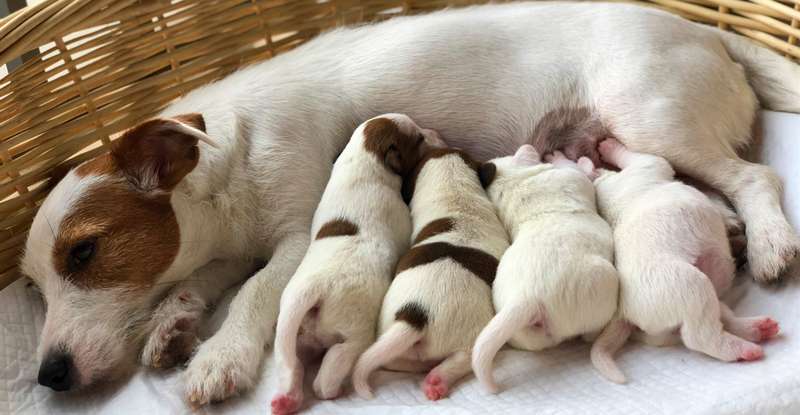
360, 228
440, 298
674, 261
556, 281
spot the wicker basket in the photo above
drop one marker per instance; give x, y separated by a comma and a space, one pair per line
92, 68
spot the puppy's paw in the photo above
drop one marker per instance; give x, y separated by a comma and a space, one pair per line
587, 167
283, 404
174, 335
771, 251
750, 352
435, 387
223, 366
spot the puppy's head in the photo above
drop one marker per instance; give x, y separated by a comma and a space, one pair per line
99, 245
398, 142
525, 157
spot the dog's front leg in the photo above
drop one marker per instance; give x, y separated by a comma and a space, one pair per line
173, 326
228, 362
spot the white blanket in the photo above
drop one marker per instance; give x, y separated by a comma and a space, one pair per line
661, 380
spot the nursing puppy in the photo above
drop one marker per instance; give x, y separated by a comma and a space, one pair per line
674, 261
360, 228
556, 281
440, 298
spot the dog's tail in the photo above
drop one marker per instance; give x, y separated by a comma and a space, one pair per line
775, 79
508, 321
400, 337
611, 339
292, 312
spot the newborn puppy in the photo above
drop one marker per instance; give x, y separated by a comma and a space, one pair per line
441, 296
556, 281
674, 261
360, 228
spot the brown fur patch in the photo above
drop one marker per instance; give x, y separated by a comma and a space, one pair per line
410, 182
399, 152
154, 155
434, 228
337, 227
414, 314
136, 237
478, 262
574, 130
102, 164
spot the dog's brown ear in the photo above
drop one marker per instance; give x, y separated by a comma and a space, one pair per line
486, 173
398, 151
157, 154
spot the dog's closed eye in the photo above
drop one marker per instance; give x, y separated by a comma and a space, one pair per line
81, 254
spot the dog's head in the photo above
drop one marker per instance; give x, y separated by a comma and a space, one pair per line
99, 246
397, 141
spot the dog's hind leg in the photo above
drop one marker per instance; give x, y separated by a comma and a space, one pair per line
441, 379
336, 367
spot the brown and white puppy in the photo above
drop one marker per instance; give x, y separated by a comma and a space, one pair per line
360, 229
441, 296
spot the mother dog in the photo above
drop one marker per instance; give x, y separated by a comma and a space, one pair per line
167, 210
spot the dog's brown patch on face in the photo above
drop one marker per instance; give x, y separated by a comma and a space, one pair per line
119, 233
478, 262
410, 183
398, 151
116, 237
434, 228
337, 227
414, 314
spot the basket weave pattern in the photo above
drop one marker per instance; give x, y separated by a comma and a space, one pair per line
100, 66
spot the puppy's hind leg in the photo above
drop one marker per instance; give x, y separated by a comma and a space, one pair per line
441, 379
337, 366
754, 329
702, 328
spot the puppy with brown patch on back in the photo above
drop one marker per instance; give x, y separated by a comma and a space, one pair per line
441, 296
557, 279
360, 229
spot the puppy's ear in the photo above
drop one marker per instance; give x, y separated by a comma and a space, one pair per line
157, 154
394, 159
486, 173
526, 155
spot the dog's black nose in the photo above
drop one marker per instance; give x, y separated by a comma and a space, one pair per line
56, 372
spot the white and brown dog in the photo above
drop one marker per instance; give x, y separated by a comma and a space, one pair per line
125, 230
440, 298
557, 280
674, 261
360, 229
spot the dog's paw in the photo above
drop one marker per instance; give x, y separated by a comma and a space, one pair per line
174, 335
223, 366
284, 404
608, 149
771, 251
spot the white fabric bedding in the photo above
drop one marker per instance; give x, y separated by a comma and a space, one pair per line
661, 380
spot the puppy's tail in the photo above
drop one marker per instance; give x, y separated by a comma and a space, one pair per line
292, 311
611, 339
499, 330
400, 337
775, 79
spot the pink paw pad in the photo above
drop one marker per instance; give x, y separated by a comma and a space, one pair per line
767, 328
434, 387
284, 404
750, 354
